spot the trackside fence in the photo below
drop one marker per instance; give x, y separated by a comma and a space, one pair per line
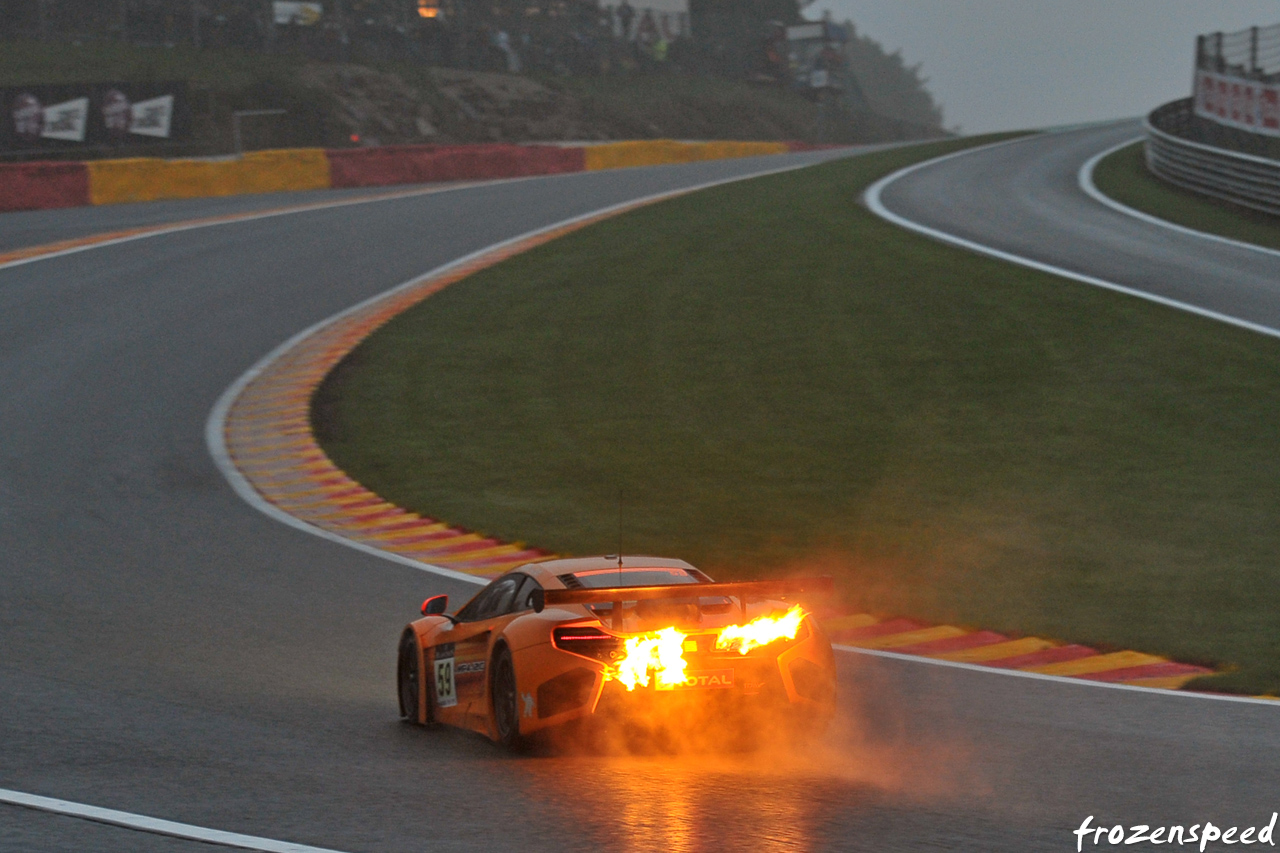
1230, 175
1250, 54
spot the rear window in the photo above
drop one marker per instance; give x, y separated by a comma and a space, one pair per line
601, 578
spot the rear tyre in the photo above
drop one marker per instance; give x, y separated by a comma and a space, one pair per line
409, 678
506, 710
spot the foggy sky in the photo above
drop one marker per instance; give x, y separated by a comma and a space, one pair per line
1005, 64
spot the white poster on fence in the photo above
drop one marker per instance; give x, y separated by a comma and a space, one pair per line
1235, 102
66, 120
646, 20
152, 117
296, 13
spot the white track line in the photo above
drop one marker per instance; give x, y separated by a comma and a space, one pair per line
215, 426
873, 201
155, 825
1085, 179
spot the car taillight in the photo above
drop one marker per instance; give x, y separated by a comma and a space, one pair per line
588, 642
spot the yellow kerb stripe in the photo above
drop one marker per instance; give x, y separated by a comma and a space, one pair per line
483, 553
908, 638
424, 529
435, 544
996, 651
1096, 663
1168, 682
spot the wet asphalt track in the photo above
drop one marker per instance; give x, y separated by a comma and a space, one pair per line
1024, 198
169, 651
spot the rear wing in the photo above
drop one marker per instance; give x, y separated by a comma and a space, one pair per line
743, 591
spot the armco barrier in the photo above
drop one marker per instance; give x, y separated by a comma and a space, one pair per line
147, 179
39, 186
657, 152
418, 164
1243, 179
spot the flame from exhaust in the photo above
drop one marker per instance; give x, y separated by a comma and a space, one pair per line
662, 652
659, 652
761, 632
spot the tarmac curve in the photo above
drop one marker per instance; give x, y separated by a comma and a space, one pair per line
169, 651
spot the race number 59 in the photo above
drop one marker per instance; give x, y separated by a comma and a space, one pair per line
446, 692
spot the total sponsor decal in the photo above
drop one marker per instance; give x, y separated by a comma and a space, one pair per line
702, 679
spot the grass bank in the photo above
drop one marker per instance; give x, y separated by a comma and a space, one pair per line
779, 381
1124, 177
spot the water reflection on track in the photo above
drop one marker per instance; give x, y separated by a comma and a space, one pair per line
779, 797
682, 804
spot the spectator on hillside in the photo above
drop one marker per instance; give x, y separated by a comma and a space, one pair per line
829, 59
625, 15
647, 33
660, 48
502, 42
776, 65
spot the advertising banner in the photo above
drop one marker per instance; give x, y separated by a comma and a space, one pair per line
641, 20
296, 13
1236, 102
91, 114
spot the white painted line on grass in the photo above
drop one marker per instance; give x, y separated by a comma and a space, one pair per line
215, 426
154, 825
876, 204
1085, 179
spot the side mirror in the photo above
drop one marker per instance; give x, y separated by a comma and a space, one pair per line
435, 605
538, 599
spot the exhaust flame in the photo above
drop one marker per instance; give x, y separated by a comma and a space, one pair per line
662, 652
761, 632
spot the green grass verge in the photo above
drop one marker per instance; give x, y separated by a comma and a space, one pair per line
1123, 175
780, 382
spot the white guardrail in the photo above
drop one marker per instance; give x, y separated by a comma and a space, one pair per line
1234, 176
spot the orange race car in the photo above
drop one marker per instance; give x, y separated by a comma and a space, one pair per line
641, 640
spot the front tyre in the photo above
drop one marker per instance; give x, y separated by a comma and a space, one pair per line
409, 679
506, 710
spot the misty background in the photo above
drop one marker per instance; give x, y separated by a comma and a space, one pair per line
1005, 64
